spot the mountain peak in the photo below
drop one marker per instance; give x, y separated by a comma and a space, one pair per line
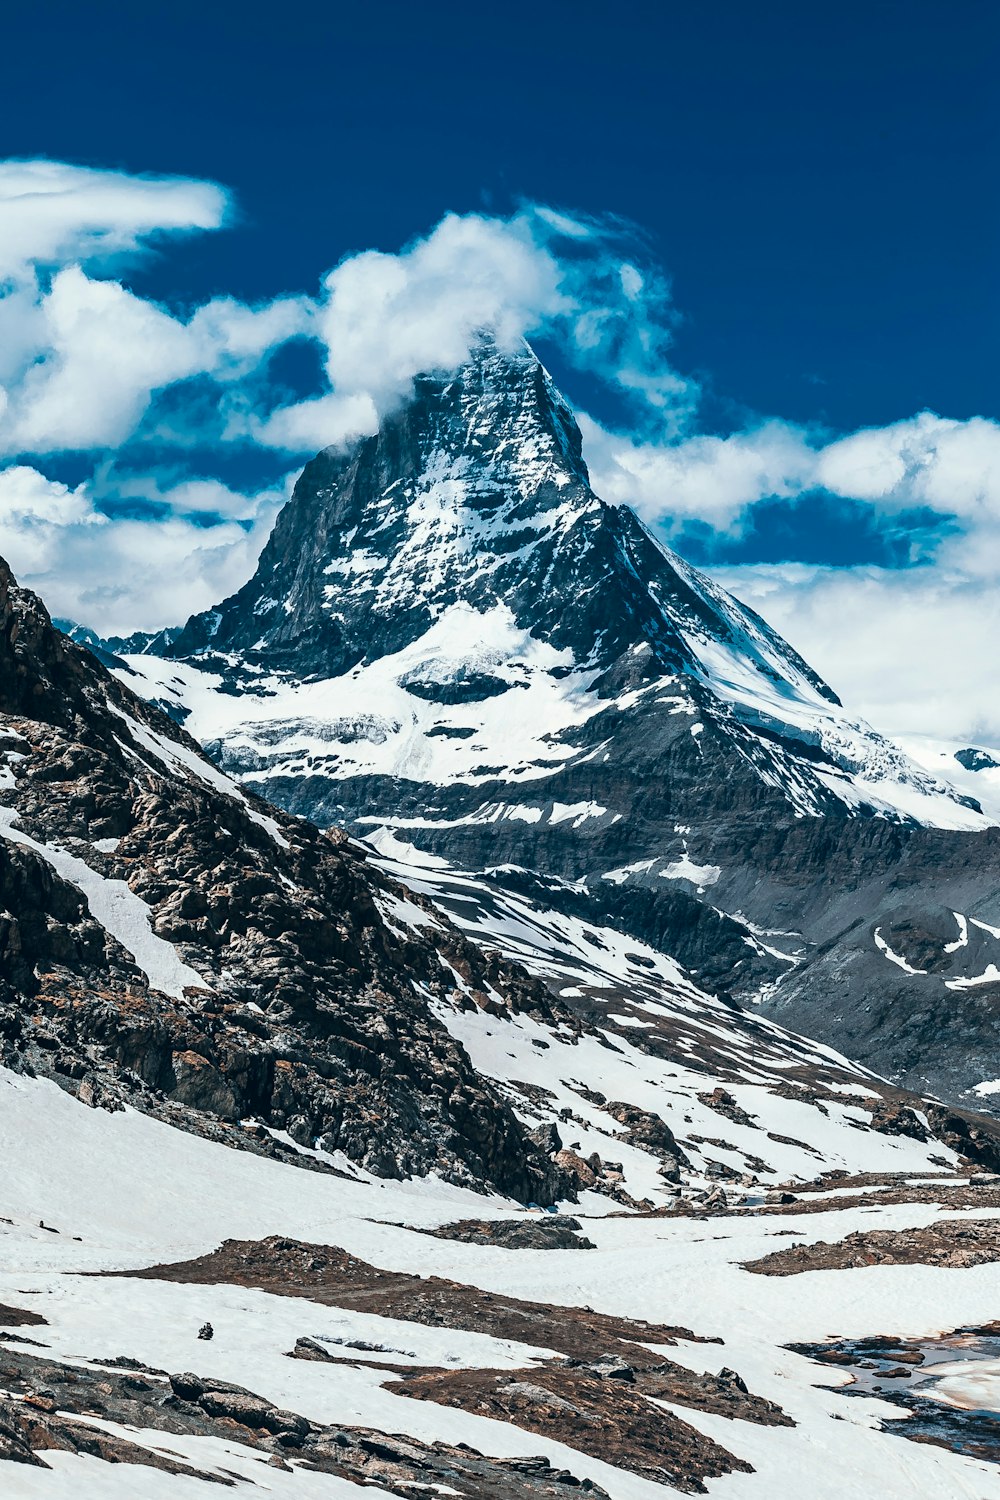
459, 555
451, 636
513, 421
442, 505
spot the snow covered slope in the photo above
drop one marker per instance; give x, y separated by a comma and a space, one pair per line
297, 1114
451, 636
307, 1333
973, 769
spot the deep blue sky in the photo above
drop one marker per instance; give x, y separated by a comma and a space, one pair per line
819, 179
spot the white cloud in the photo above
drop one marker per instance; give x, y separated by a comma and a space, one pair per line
712, 479
947, 466
128, 574
93, 353
53, 213
385, 318
101, 353
320, 422
913, 650
83, 359
952, 467
80, 355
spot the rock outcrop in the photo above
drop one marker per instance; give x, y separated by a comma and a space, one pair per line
166, 939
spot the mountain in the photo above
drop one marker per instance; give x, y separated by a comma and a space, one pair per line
169, 941
275, 1129
451, 637
172, 943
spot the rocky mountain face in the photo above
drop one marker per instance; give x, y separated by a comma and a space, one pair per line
451, 637
170, 941
165, 939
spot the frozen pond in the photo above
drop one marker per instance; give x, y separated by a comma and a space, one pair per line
949, 1386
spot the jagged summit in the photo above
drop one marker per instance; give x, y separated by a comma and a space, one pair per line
475, 493
460, 554
440, 507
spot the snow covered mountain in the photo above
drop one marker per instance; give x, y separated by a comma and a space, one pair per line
450, 603
450, 636
269, 1119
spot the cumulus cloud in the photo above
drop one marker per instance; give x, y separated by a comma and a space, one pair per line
91, 354
384, 318
706, 478
949, 466
936, 463
81, 355
329, 421
128, 574
913, 650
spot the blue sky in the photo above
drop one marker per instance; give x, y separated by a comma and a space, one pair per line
764, 265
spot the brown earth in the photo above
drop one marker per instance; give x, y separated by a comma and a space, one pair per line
598, 1341
609, 1418
955, 1243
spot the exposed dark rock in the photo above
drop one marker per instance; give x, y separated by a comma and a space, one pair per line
546, 1232
975, 1137
197, 1407
724, 1103
603, 1417
894, 1118
19, 1317
309, 1011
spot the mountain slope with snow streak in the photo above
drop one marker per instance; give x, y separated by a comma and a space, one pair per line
169, 940
451, 636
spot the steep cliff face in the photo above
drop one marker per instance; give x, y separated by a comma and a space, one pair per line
450, 636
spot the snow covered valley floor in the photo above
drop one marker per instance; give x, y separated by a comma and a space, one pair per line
521, 1354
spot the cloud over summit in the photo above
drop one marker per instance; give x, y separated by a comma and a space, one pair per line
153, 403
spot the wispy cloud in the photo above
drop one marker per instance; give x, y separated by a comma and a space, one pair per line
55, 214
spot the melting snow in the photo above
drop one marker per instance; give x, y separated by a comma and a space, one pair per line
119, 911
893, 956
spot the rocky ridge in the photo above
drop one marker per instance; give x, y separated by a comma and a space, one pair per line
168, 940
